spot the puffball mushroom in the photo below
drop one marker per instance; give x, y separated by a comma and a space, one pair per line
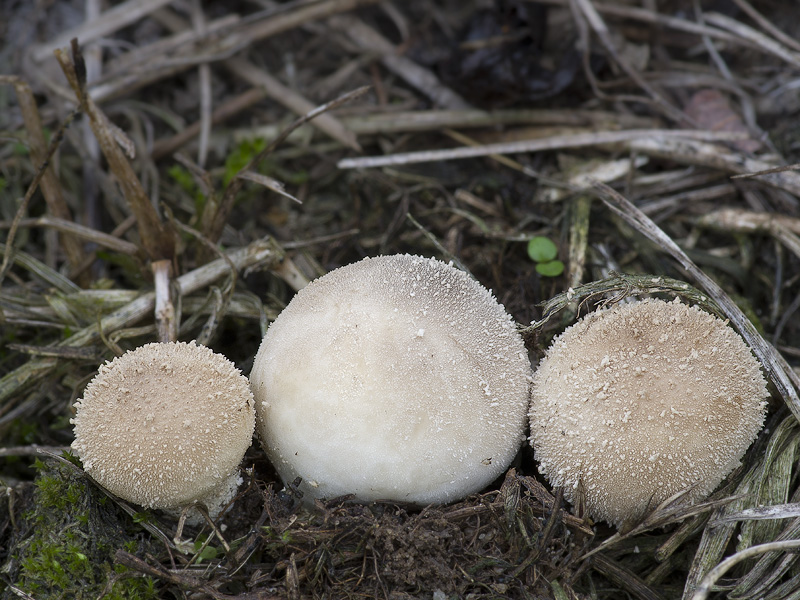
641, 401
166, 425
396, 378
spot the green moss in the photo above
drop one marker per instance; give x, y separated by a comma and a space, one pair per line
69, 539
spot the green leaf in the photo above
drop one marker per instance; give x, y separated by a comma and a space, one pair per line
241, 156
551, 268
542, 249
207, 553
182, 177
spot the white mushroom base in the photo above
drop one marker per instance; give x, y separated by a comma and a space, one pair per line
215, 500
394, 378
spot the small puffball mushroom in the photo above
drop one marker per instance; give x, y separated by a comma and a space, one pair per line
641, 401
395, 378
166, 425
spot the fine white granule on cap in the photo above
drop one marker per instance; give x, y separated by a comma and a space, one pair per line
641, 401
398, 378
166, 425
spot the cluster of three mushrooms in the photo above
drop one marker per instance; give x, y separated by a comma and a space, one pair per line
401, 378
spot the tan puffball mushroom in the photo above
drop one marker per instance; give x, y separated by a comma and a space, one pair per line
166, 425
396, 378
641, 401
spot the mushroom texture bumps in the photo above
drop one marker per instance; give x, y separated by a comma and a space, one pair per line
166, 425
395, 378
642, 401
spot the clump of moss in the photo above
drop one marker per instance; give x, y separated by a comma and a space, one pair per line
64, 545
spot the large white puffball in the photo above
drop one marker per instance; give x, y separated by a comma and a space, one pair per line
396, 378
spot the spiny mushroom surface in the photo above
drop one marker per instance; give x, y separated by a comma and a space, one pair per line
641, 401
165, 425
396, 378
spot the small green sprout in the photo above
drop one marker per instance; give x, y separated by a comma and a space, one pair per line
187, 183
241, 156
543, 252
206, 553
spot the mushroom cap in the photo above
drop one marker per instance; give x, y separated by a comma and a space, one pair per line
165, 425
395, 378
642, 401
